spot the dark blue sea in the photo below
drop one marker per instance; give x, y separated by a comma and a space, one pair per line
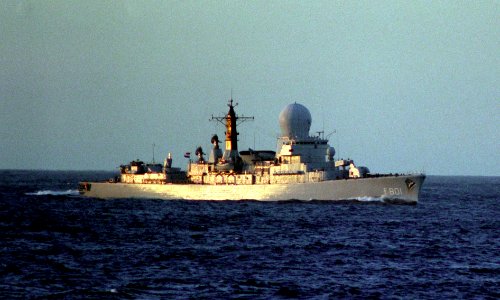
55, 244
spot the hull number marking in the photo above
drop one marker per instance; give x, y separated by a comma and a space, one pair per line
393, 191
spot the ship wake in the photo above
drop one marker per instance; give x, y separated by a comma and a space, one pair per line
361, 200
54, 193
383, 200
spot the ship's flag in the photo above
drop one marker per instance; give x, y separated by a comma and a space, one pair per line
187, 154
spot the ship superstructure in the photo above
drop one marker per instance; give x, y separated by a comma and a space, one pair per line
303, 167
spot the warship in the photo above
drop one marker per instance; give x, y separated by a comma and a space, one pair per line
303, 167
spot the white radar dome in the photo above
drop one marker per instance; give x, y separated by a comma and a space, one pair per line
295, 121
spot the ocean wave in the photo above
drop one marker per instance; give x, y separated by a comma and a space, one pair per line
54, 193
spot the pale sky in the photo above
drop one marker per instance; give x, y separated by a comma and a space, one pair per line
406, 85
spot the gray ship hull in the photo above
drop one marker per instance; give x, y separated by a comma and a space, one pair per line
405, 188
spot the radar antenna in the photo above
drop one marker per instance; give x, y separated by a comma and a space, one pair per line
154, 153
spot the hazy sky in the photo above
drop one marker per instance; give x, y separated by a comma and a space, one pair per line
406, 85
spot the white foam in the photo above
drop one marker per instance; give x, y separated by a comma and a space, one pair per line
54, 193
369, 199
